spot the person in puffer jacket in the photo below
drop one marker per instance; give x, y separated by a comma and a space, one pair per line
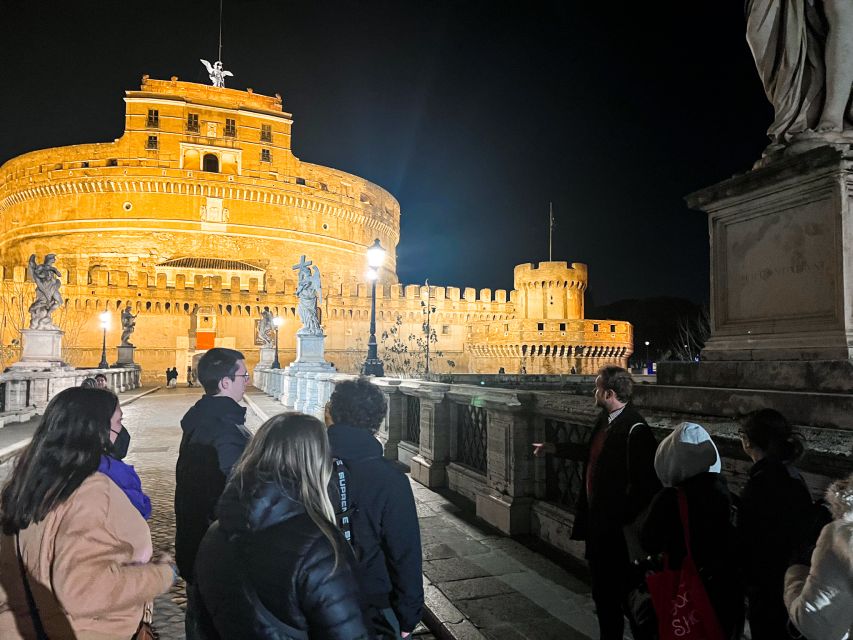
274, 565
820, 598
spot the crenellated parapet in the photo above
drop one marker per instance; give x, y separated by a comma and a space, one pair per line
551, 289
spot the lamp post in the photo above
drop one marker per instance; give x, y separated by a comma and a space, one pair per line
428, 309
105, 324
277, 321
648, 363
375, 257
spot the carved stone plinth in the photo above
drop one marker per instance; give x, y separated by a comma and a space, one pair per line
782, 260
125, 355
42, 349
266, 357
310, 349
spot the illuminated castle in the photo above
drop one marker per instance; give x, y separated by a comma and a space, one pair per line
195, 217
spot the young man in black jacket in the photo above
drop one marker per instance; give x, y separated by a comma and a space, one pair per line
215, 435
619, 482
386, 536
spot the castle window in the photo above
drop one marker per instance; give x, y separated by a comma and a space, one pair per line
112, 162
211, 163
300, 180
153, 118
540, 326
266, 133
612, 328
562, 326
85, 164
152, 142
192, 122
230, 127
266, 156
445, 329
595, 327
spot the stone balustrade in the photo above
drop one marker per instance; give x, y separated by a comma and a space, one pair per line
475, 440
26, 393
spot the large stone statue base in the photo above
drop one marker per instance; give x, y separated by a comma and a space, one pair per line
42, 349
125, 355
782, 261
310, 349
267, 355
302, 388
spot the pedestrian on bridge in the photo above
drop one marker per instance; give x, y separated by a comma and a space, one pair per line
76, 557
214, 438
275, 565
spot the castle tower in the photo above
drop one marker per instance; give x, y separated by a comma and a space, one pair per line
550, 290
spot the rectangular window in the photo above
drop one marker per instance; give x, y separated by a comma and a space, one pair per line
612, 328
266, 133
85, 164
112, 162
540, 326
192, 122
595, 327
300, 180
230, 127
153, 118
266, 156
152, 142
445, 329
562, 326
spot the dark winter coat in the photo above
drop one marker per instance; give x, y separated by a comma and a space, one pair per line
712, 540
385, 530
214, 438
774, 515
266, 562
624, 482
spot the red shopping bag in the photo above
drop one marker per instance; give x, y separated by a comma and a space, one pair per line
679, 598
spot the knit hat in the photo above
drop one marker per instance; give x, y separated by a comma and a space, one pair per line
684, 453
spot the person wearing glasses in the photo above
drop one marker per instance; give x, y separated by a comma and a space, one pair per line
214, 438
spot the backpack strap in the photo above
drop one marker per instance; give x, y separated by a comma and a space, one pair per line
343, 514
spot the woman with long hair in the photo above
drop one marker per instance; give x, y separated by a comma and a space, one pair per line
275, 565
774, 518
75, 552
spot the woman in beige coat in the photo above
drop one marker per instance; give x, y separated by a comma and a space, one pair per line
75, 554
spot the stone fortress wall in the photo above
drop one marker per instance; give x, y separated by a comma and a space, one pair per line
195, 217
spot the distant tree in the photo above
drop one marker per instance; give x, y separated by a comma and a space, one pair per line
404, 356
693, 331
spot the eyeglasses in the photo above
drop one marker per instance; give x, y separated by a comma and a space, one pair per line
242, 375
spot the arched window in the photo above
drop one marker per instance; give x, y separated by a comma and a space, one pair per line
211, 163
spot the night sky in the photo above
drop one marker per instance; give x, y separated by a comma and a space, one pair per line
473, 114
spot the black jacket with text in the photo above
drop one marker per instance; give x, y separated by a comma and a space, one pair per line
385, 530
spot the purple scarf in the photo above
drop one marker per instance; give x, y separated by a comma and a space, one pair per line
127, 480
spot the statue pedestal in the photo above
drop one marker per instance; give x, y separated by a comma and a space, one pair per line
310, 349
125, 355
782, 261
42, 349
267, 356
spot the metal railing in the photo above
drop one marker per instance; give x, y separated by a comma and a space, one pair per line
564, 476
412, 431
471, 436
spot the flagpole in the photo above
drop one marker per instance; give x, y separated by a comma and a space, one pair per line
550, 230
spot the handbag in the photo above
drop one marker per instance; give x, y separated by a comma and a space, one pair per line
145, 630
681, 603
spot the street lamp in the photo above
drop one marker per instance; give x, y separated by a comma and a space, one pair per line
648, 362
375, 257
428, 309
105, 324
277, 321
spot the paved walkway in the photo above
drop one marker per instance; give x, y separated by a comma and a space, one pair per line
478, 583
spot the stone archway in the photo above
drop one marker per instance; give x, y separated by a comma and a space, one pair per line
210, 163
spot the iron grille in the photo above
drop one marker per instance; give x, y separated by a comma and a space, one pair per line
2, 397
564, 476
413, 420
471, 436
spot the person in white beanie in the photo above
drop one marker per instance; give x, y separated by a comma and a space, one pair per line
687, 460
819, 598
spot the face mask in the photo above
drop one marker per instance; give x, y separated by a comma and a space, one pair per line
121, 444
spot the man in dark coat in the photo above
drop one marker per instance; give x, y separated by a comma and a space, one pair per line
385, 532
214, 438
619, 482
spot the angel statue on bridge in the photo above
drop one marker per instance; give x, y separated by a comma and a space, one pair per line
47, 279
310, 294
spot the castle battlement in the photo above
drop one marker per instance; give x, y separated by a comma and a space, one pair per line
207, 94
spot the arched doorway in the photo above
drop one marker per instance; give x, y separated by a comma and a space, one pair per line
211, 163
